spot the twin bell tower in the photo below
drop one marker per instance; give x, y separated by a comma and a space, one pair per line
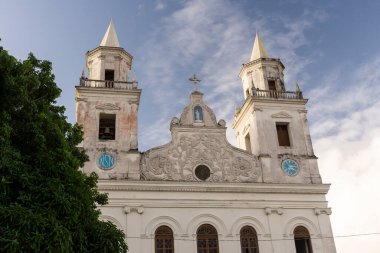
271, 124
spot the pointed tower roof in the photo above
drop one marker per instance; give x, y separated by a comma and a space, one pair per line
110, 37
259, 50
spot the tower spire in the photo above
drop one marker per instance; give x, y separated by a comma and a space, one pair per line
259, 50
110, 37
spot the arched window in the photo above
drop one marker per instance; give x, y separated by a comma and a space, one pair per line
207, 239
302, 240
164, 241
248, 240
198, 114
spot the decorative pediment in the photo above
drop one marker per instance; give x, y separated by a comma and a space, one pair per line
200, 156
281, 115
107, 106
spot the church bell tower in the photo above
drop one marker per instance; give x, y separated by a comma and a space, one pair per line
272, 123
107, 104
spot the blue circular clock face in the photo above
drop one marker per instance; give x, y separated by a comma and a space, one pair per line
106, 161
290, 167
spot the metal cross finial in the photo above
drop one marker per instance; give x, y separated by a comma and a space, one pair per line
195, 80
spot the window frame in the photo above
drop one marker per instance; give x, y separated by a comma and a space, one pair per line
165, 234
250, 237
289, 139
247, 143
101, 114
209, 234
107, 72
301, 233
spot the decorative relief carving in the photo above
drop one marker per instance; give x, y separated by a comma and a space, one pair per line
281, 115
184, 114
175, 121
241, 170
107, 106
130, 209
222, 123
319, 211
178, 160
161, 168
270, 210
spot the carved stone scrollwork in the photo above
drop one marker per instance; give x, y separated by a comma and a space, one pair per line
242, 172
177, 161
174, 121
319, 211
222, 122
130, 209
160, 168
270, 210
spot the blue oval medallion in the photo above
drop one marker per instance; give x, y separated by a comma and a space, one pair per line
106, 161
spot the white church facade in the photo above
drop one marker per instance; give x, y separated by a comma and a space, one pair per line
198, 193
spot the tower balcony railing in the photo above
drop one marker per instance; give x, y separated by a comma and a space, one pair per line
277, 94
85, 82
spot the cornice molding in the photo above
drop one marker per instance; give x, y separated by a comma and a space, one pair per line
164, 186
277, 206
101, 49
89, 92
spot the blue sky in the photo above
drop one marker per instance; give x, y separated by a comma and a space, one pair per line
331, 48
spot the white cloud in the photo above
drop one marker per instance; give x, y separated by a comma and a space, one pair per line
159, 5
212, 39
342, 94
348, 144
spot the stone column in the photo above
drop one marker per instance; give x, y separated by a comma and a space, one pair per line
134, 229
306, 132
254, 131
117, 69
133, 129
276, 228
325, 228
101, 74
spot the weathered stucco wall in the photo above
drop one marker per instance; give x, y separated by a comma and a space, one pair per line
91, 102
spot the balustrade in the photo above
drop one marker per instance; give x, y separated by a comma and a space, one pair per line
107, 84
277, 94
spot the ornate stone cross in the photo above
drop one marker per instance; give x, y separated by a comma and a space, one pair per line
195, 80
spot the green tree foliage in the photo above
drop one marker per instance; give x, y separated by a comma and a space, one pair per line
46, 203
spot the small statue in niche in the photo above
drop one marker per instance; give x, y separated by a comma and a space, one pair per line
198, 114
